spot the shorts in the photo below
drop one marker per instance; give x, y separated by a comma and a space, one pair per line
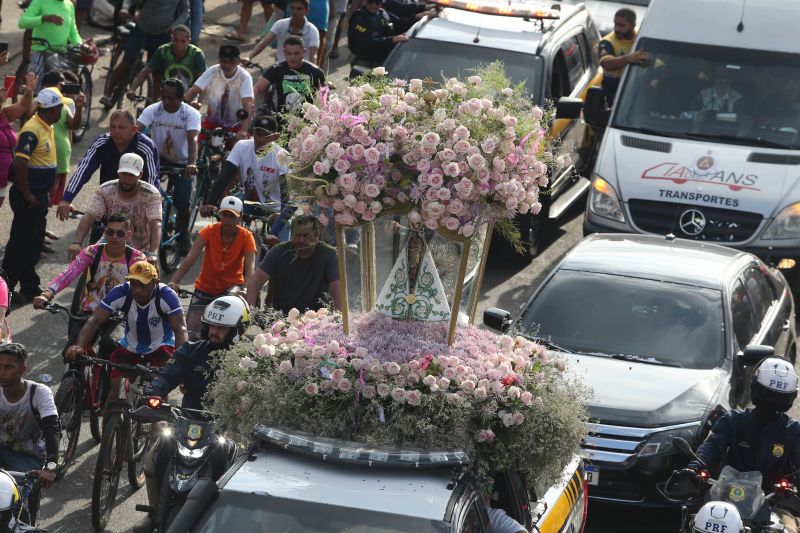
138, 40
84, 5
157, 358
210, 126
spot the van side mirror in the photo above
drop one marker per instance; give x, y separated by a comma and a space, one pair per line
595, 112
568, 107
497, 319
754, 353
197, 503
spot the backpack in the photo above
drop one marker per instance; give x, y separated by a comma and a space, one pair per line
34, 410
96, 263
126, 305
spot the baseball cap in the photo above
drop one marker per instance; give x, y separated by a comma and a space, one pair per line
143, 272
229, 51
48, 98
231, 204
131, 163
265, 122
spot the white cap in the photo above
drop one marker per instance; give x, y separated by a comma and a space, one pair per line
232, 204
48, 98
131, 164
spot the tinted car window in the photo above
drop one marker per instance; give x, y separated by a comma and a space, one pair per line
745, 325
574, 60
602, 314
472, 521
759, 291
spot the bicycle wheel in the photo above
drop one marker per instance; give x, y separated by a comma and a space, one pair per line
107, 470
102, 383
142, 93
140, 440
116, 56
86, 88
69, 404
77, 296
168, 255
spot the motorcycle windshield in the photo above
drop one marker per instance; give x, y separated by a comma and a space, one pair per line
742, 489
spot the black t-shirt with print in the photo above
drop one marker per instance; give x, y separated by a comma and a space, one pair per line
294, 86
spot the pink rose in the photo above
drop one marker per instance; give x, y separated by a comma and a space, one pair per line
464, 187
447, 155
382, 389
461, 133
341, 165
285, 367
334, 150
358, 152
480, 394
347, 181
368, 392
414, 217
435, 209
338, 205
413, 397
311, 389
430, 139
451, 169
451, 223
456, 207
360, 207
372, 155
423, 165
443, 194
350, 201
371, 190
345, 219
461, 147
398, 395
436, 180
344, 385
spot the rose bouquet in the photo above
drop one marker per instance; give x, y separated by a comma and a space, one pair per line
501, 399
452, 156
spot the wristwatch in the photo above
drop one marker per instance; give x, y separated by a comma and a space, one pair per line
51, 466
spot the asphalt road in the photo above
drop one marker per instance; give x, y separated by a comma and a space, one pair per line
508, 283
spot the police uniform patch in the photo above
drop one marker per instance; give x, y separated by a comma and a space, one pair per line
737, 493
194, 431
777, 450
360, 28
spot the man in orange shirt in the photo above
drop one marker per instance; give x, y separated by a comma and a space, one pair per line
229, 259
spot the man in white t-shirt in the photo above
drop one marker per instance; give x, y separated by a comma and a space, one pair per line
297, 25
225, 88
29, 426
174, 126
259, 163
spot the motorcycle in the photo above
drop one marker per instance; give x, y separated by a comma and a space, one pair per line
742, 489
194, 451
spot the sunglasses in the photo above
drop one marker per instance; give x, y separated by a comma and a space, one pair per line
110, 232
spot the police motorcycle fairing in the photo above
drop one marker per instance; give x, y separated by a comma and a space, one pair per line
741, 489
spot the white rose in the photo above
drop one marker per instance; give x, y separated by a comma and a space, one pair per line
379, 71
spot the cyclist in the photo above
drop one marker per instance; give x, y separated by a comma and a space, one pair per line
298, 25
105, 153
296, 80
226, 87
53, 22
176, 59
224, 321
259, 163
130, 195
30, 430
228, 262
174, 125
154, 324
154, 20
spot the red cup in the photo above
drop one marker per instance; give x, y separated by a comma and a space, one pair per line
8, 84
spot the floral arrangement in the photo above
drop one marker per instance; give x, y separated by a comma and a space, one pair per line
501, 399
452, 156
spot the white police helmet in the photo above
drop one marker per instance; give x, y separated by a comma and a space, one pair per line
717, 517
9, 493
230, 312
774, 384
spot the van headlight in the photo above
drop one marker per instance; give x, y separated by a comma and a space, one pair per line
786, 225
603, 200
661, 443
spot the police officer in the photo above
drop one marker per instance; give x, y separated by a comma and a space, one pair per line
371, 35
761, 438
224, 321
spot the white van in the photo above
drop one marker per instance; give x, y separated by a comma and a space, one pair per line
603, 11
704, 139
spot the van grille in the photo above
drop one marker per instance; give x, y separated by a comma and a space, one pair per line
646, 144
721, 225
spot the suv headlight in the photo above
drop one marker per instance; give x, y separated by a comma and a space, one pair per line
786, 225
603, 200
661, 443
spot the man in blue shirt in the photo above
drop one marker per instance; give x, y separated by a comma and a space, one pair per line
105, 152
154, 324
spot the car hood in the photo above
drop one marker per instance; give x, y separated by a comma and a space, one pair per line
700, 173
644, 395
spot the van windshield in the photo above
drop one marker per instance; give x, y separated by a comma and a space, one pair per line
728, 95
425, 58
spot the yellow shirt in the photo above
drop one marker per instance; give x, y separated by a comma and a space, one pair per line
613, 46
37, 145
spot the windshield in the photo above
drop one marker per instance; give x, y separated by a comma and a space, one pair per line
731, 95
610, 315
235, 511
424, 58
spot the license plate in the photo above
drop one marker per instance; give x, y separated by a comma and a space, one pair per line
592, 475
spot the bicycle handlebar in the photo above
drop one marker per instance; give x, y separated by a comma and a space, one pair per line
145, 372
54, 308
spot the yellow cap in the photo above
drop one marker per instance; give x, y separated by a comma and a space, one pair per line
143, 272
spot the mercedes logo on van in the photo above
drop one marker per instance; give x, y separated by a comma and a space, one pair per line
692, 222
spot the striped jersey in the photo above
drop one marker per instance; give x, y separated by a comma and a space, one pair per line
146, 328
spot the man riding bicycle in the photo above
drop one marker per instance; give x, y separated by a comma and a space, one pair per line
224, 321
174, 126
30, 430
105, 153
52, 21
228, 262
176, 59
225, 88
259, 163
154, 324
127, 194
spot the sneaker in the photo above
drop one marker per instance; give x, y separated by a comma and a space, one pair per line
107, 102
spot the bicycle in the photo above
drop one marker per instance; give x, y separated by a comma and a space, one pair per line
120, 39
83, 388
168, 254
74, 59
124, 440
197, 304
